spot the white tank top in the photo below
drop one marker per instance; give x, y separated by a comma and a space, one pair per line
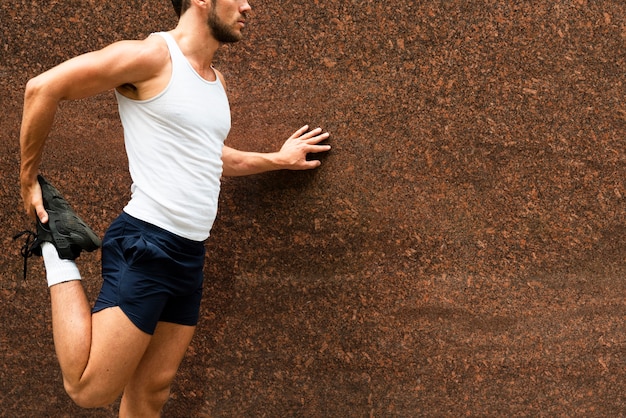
174, 144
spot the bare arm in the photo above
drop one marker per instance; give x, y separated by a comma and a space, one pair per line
291, 156
135, 62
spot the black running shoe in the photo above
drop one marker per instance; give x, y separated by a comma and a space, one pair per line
65, 230
69, 234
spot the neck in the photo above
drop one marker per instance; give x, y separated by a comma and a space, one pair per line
194, 38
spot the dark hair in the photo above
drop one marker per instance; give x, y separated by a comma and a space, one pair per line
178, 5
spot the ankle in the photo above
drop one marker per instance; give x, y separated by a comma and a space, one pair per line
58, 270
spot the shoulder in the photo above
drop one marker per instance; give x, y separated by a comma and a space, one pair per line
149, 52
144, 64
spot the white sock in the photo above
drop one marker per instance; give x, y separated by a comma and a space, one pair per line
58, 270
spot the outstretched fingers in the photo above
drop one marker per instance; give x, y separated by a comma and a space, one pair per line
313, 136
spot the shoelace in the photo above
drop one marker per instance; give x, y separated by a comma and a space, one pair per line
27, 249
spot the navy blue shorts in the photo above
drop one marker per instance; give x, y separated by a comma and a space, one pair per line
151, 274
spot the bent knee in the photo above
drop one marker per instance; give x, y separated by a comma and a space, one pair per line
150, 394
86, 397
145, 401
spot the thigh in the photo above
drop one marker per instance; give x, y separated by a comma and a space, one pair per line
164, 353
117, 348
160, 362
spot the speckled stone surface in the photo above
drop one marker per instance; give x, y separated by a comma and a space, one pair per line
461, 251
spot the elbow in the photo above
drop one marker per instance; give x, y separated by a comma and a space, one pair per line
231, 171
39, 87
232, 166
34, 86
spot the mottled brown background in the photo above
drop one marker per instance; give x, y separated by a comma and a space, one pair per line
460, 252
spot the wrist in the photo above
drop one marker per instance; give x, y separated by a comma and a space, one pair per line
276, 161
28, 175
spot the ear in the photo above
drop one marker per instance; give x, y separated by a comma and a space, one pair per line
202, 3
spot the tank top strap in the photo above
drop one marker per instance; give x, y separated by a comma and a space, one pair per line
175, 51
180, 61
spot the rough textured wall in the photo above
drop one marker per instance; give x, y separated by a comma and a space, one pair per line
460, 251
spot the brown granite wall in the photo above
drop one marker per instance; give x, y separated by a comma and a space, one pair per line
461, 251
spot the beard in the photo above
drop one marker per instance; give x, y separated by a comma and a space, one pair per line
221, 31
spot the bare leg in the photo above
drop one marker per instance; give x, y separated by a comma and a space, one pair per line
71, 328
97, 353
149, 387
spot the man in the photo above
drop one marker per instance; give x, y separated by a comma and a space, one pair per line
176, 116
